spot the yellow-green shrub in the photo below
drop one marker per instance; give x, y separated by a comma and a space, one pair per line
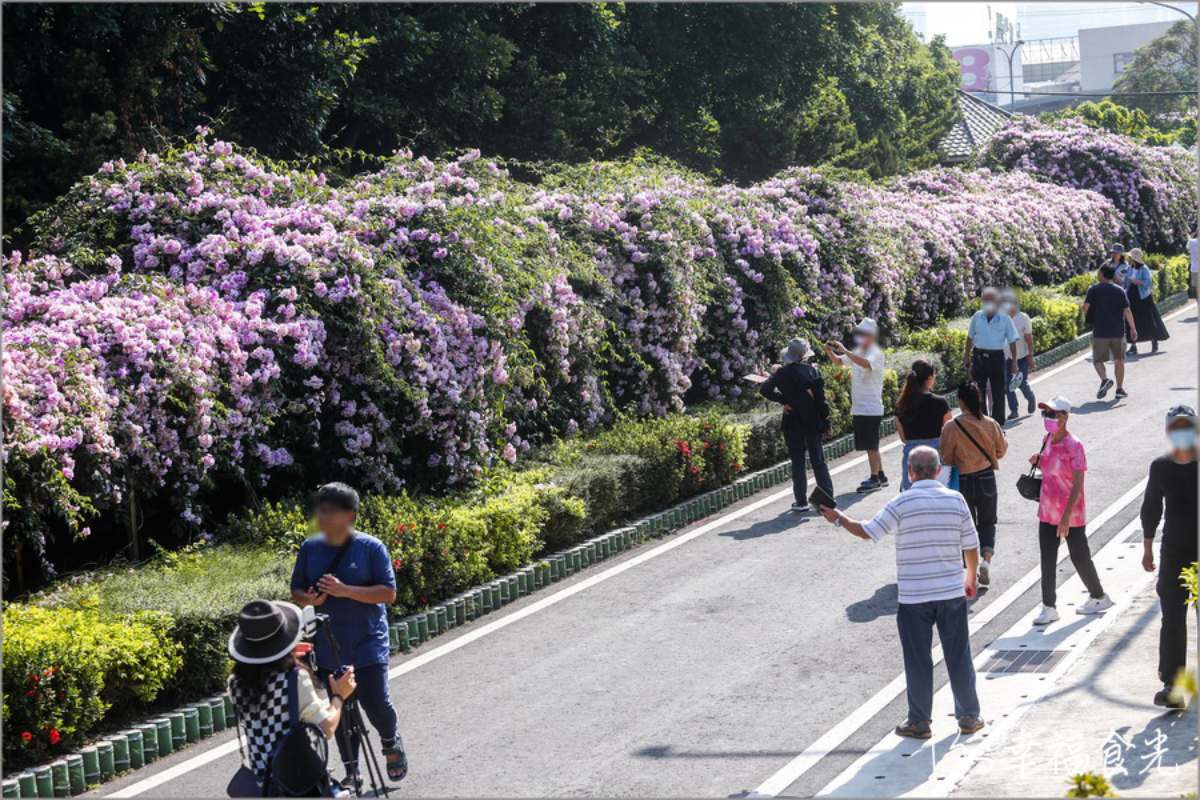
1056, 324
65, 668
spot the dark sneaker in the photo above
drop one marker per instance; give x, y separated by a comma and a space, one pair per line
1013, 413
915, 730
969, 725
397, 763
1032, 407
1132, 351
352, 783
1165, 698
869, 485
1154, 347
801, 508
1105, 385
881, 479
1121, 393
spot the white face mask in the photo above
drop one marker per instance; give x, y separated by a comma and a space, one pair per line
1009, 308
989, 307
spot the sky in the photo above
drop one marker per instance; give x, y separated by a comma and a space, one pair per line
969, 23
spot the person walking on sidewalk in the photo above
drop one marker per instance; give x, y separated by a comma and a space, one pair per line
866, 363
1172, 484
1139, 288
934, 535
800, 388
1011, 305
991, 344
920, 414
975, 444
1107, 307
1061, 512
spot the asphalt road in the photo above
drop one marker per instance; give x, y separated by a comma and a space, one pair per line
704, 670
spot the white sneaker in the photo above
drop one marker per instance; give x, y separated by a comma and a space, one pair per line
1095, 605
1049, 614
984, 574
801, 508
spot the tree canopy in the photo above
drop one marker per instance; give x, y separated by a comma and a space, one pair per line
1167, 64
738, 91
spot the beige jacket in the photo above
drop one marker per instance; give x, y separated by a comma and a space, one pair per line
956, 448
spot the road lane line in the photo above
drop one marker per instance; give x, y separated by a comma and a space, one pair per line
835, 736
890, 691
931, 773
225, 749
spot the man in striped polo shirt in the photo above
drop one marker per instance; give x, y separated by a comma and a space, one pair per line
934, 534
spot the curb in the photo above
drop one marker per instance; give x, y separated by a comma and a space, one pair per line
94, 764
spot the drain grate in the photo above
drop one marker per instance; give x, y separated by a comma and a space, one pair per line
1010, 661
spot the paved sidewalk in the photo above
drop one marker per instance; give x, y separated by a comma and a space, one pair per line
1099, 717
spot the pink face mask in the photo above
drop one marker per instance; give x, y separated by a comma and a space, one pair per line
1050, 424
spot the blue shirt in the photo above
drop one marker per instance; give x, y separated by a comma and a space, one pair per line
360, 628
996, 333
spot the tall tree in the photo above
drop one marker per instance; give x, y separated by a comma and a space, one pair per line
1167, 64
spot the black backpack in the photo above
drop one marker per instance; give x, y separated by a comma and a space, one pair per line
297, 766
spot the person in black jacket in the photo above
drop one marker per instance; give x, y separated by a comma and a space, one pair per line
1172, 483
801, 389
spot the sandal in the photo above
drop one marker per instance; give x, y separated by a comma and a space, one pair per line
397, 763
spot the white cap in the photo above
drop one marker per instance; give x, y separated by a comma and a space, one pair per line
1056, 403
867, 326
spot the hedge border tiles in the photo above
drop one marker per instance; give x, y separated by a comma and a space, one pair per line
112, 755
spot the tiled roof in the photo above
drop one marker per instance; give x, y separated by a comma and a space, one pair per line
979, 121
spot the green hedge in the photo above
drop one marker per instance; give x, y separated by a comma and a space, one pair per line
64, 669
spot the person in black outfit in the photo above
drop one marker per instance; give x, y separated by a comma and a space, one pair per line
1172, 483
801, 389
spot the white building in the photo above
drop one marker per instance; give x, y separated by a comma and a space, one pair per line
1105, 52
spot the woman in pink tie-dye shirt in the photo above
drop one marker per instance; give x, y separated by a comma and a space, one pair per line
1061, 511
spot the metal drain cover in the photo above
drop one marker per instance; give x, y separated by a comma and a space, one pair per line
1023, 660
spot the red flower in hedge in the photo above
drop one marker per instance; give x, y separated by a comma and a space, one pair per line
441, 526
55, 738
397, 563
31, 693
400, 527
692, 469
26, 736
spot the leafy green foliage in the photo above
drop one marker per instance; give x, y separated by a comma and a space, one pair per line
1167, 64
65, 668
1115, 118
1090, 784
742, 90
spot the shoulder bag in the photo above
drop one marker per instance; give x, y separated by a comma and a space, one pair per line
978, 446
1029, 485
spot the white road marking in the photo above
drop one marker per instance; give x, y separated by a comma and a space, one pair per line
889, 691
833, 738
922, 768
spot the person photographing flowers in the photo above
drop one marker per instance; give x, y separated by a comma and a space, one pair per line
348, 575
266, 675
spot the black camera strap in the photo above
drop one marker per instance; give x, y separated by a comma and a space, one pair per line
337, 559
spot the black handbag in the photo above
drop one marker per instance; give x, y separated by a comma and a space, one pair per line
1029, 485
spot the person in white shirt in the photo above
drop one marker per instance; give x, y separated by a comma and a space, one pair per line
935, 535
1010, 304
866, 395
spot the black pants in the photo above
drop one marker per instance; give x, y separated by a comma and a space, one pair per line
376, 703
1172, 637
979, 490
1081, 557
987, 370
799, 444
916, 622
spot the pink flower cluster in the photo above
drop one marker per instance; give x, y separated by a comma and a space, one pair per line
200, 313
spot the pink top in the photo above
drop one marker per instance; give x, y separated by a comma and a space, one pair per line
1058, 464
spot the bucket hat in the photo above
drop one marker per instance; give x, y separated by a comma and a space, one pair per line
266, 632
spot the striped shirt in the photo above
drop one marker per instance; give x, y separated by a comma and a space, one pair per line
933, 527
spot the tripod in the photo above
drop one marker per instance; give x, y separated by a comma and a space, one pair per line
358, 737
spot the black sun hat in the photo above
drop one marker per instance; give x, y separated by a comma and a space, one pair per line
266, 632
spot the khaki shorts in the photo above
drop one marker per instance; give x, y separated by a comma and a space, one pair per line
1108, 350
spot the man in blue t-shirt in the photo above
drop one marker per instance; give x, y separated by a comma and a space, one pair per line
348, 574
1106, 306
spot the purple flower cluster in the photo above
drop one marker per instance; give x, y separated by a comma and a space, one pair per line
1153, 187
202, 312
